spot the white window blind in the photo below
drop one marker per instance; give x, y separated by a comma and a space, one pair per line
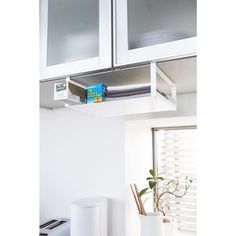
175, 157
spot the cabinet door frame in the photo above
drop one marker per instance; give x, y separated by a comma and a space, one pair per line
165, 51
104, 59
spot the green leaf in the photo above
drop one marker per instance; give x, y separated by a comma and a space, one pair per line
149, 178
143, 191
152, 184
161, 178
152, 172
170, 182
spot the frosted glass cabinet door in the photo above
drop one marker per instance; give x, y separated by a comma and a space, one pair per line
75, 36
154, 29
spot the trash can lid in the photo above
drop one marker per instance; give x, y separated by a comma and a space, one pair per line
90, 202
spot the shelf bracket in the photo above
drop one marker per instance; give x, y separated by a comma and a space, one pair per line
153, 76
68, 80
154, 71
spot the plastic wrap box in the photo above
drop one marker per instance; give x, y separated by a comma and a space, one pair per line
96, 93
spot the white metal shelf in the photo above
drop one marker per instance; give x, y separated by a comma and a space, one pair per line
155, 102
130, 106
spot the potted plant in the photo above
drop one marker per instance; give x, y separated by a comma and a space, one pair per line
158, 223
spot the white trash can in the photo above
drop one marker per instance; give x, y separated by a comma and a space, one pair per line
89, 217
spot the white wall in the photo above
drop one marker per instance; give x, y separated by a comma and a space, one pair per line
84, 156
81, 156
138, 160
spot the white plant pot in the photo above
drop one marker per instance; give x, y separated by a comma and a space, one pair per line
169, 228
153, 224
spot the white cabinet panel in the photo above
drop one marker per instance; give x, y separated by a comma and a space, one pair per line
74, 36
154, 29
163, 21
72, 33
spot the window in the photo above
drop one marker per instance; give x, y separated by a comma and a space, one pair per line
174, 157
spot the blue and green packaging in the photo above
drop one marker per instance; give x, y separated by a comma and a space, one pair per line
96, 93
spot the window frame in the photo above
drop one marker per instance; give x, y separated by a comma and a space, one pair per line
154, 150
154, 146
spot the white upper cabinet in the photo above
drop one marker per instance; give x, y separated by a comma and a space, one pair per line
75, 36
148, 30
80, 36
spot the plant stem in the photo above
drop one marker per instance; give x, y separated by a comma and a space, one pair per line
172, 193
